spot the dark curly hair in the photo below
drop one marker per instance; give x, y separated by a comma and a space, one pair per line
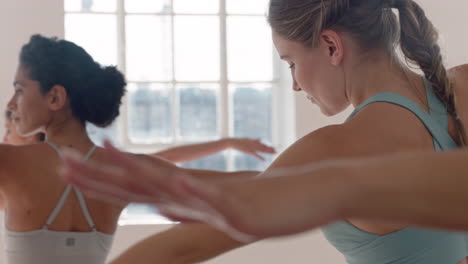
95, 92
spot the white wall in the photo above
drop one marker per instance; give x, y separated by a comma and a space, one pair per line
20, 18
450, 18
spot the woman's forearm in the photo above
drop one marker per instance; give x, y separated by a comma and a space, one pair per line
194, 151
173, 169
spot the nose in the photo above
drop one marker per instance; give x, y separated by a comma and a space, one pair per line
296, 87
11, 104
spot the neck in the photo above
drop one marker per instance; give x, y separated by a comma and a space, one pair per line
69, 133
379, 74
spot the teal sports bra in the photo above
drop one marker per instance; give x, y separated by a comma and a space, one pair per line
408, 245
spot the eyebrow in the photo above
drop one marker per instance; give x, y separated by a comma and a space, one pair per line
284, 57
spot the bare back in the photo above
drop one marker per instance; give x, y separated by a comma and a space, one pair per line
32, 188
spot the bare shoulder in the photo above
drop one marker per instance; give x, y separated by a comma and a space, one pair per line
458, 71
14, 158
386, 128
459, 78
377, 129
330, 142
10, 155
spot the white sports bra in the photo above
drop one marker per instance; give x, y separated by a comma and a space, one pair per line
45, 246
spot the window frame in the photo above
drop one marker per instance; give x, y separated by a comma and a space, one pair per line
282, 107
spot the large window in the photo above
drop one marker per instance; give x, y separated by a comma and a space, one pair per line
197, 70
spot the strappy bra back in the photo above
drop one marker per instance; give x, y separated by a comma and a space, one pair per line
45, 246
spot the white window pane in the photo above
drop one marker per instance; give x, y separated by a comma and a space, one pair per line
90, 5
98, 135
196, 7
252, 111
250, 52
149, 113
214, 162
97, 34
196, 48
247, 6
149, 56
148, 6
140, 209
247, 162
198, 113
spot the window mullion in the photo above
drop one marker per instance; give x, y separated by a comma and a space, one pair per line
224, 108
122, 64
175, 96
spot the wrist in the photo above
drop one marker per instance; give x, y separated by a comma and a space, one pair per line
226, 142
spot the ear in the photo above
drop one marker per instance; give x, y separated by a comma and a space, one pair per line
332, 45
57, 97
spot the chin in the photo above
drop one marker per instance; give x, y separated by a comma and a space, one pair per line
332, 111
327, 112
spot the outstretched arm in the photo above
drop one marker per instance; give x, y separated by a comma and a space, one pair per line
196, 151
170, 168
416, 188
128, 179
424, 189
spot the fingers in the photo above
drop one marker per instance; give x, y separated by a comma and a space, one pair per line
104, 191
123, 179
253, 147
119, 157
82, 173
258, 156
212, 204
203, 191
181, 214
110, 183
150, 172
265, 148
268, 149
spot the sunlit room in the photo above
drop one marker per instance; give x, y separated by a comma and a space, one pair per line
176, 106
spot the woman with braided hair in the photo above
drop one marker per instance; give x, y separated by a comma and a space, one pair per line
341, 53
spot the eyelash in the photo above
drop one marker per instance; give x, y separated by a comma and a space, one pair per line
291, 66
